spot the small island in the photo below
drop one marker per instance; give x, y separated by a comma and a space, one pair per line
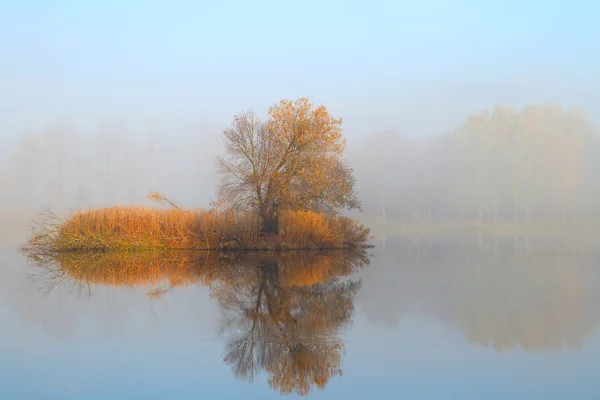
284, 185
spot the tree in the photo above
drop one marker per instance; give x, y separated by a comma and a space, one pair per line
292, 161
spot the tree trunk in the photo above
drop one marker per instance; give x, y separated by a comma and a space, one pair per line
270, 223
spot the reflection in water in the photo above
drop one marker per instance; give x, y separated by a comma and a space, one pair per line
283, 312
284, 326
537, 295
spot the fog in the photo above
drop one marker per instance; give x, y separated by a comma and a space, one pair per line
473, 129
539, 295
530, 165
538, 164
63, 168
102, 103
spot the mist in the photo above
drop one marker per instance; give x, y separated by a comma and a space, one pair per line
539, 295
473, 135
65, 168
538, 164
102, 103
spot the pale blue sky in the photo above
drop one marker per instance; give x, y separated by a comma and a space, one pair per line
415, 66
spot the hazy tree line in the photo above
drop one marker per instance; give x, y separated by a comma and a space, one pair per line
538, 163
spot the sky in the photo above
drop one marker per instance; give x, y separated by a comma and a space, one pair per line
415, 67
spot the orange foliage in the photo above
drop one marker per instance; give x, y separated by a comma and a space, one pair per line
134, 228
311, 229
300, 371
292, 161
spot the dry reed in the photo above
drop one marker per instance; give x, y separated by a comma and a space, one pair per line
141, 228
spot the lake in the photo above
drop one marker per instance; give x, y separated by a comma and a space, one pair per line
491, 318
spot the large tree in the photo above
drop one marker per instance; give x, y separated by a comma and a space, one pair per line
292, 161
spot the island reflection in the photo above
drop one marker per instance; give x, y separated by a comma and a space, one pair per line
282, 312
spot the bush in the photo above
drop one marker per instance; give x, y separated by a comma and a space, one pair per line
307, 229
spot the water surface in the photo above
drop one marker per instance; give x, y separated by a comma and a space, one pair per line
427, 318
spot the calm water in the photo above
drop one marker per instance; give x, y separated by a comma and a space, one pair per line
435, 318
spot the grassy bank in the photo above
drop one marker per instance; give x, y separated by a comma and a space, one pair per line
141, 228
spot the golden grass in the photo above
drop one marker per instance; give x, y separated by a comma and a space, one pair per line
141, 228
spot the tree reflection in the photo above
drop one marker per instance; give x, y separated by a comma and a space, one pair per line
283, 312
286, 327
543, 298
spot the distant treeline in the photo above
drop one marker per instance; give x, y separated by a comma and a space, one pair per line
537, 164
